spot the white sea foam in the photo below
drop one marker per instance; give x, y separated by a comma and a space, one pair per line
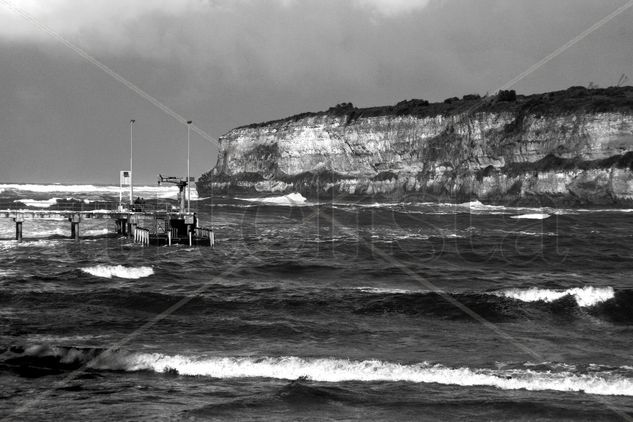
48, 231
472, 204
292, 199
7, 273
109, 271
477, 206
340, 370
585, 296
43, 203
95, 232
48, 188
382, 290
534, 216
526, 233
148, 192
40, 243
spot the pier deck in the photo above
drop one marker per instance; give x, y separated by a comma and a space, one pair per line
145, 225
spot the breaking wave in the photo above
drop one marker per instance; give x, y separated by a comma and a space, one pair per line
96, 232
594, 379
7, 273
44, 203
164, 192
477, 205
39, 231
109, 271
382, 290
292, 199
340, 370
535, 216
584, 296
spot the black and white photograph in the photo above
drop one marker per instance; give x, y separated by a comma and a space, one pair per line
316, 210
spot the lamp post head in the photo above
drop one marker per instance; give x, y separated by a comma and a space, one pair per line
132, 121
189, 122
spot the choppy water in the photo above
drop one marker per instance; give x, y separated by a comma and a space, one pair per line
321, 311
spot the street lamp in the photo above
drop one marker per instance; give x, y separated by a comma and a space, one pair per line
188, 178
131, 156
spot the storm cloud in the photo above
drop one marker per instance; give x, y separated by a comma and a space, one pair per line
224, 63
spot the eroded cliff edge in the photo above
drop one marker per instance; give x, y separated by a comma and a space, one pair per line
572, 147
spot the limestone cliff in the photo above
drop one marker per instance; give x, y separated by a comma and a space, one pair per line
571, 147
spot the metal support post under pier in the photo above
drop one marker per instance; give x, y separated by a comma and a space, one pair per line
74, 226
18, 227
132, 221
120, 226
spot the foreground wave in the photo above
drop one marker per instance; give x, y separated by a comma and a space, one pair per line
583, 303
598, 301
593, 379
584, 296
109, 271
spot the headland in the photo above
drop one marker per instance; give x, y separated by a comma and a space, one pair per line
572, 147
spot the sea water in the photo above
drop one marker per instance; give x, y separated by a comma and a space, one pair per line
319, 310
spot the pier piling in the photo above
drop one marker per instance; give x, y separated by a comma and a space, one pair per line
74, 226
18, 228
155, 227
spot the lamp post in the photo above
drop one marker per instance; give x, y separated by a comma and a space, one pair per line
188, 179
131, 161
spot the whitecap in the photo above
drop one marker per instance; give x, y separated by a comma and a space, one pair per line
383, 290
292, 199
95, 232
109, 271
584, 296
342, 370
471, 204
535, 216
4, 273
148, 192
37, 203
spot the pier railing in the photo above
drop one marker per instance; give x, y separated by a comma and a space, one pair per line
141, 235
144, 223
206, 233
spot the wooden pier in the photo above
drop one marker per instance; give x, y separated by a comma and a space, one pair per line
138, 221
146, 227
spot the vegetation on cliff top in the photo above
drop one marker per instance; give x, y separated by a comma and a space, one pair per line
574, 99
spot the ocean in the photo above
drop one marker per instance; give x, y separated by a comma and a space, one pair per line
318, 311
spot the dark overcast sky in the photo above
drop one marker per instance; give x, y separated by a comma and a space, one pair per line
224, 63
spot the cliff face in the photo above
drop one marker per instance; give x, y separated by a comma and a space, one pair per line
547, 149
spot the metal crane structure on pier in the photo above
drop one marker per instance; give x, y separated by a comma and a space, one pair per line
178, 225
180, 183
